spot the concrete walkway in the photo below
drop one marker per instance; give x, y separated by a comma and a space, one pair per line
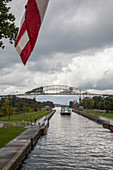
108, 120
13, 147
12, 154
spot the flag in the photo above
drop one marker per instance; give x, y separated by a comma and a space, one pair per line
30, 26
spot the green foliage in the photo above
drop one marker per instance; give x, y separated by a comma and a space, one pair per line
7, 25
88, 103
99, 102
21, 105
16, 110
97, 99
101, 105
12, 110
100, 113
5, 107
48, 103
40, 107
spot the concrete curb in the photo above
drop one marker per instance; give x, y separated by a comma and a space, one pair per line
18, 157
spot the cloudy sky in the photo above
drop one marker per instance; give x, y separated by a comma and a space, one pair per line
74, 47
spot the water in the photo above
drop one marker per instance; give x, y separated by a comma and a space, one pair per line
74, 143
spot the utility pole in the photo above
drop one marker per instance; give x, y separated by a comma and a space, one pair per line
9, 106
104, 104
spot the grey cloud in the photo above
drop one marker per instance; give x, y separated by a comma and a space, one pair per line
106, 82
46, 66
8, 56
59, 35
70, 29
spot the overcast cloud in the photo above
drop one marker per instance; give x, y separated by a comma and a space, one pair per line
74, 47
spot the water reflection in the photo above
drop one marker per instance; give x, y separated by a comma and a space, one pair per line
72, 142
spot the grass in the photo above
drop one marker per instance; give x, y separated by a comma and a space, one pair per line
99, 113
9, 133
30, 116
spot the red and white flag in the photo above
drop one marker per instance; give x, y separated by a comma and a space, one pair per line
30, 26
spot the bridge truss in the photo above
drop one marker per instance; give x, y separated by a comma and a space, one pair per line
58, 90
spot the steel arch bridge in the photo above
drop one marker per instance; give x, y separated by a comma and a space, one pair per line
52, 90
59, 90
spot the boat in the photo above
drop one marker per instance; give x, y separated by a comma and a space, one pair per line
65, 111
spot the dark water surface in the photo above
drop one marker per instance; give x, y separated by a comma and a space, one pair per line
72, 142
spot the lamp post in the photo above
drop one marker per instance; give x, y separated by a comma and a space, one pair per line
9, 101
104, 104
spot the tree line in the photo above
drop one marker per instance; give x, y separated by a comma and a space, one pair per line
98, 102
19, 105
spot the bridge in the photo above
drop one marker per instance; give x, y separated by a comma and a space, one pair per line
58, 90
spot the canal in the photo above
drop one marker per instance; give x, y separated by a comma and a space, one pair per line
72, 142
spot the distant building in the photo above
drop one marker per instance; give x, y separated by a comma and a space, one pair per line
48, 108
75, 104
81, 108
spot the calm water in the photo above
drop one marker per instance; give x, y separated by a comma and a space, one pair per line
72, 142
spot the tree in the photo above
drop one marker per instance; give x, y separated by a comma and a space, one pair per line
12, 110
88, 103
5, 107
101, 105
97, 100
40, 107
7, 25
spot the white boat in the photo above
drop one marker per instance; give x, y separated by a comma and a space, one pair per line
65, 111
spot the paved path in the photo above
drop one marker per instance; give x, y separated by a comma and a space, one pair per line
16, 150
8, 152
107, 119
10, 149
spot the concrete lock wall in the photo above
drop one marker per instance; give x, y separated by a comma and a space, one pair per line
106, 124
19, 156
